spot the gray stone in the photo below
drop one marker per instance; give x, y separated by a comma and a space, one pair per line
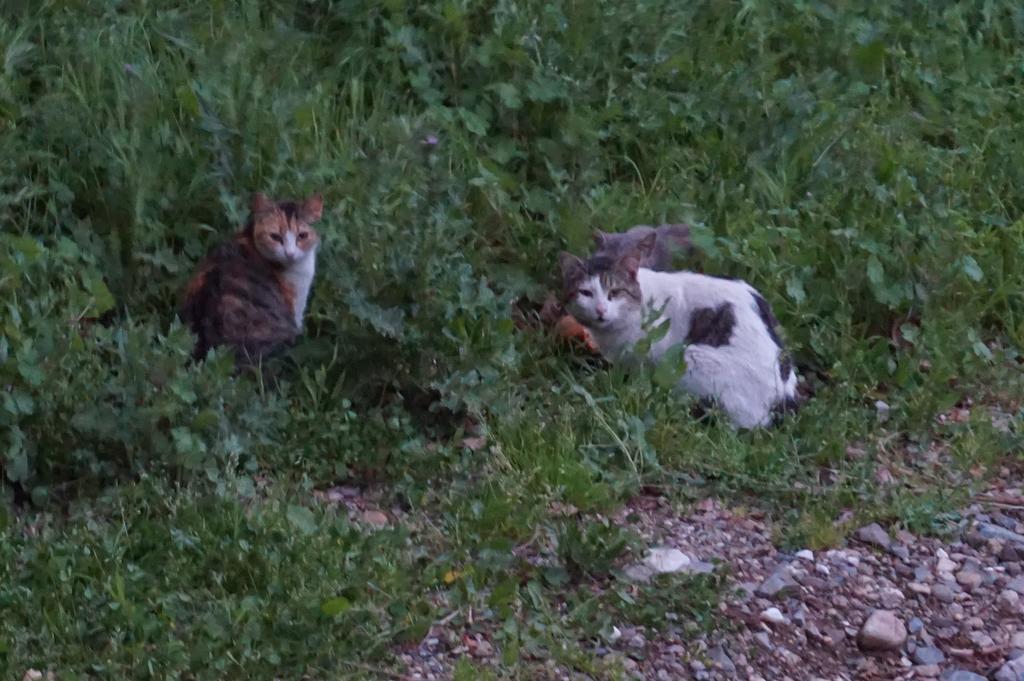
1011, 671
1008, 602
1016, 584
891, 598
929, 655
915, 625
773, 616
779, 585
764, 640
721, 659
1008, 554
990, 531
874, 534
926, 671
882, 630
639, 572
901, 552
969, 580
699, 567
1017, 640
960, 675
943, 593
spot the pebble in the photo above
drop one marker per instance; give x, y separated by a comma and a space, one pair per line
960, 675
1017, 640
990, 531
1016, 584
773, 616
1011, 671
946, 565
764, 640
721, 659
779, 584
882, 630
915, 625
891, 598
377, 519
943, 593
806, 554
1008, 602
927, 671
919, 588
664, 559
929, 655
969, 580
874, 534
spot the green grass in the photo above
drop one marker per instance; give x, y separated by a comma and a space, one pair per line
860, 164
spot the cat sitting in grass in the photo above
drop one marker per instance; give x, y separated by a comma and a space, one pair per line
734, 356
669, 241
250, 292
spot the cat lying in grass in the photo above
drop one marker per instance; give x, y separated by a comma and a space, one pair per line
250, 292
733, 352
669, 240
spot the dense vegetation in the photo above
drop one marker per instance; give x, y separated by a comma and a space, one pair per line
860, 163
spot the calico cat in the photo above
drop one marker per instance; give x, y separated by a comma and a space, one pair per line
669, 240
250, 293
733, 354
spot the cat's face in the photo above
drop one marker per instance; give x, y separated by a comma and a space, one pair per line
283, 231
601, 293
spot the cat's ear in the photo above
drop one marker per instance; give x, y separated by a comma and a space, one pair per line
630, 264
259, 203
645, 247
600, 238
572, 268
312, 209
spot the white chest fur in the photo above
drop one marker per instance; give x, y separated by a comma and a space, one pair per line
299, 278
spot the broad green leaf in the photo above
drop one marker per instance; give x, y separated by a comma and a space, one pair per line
876, 275
302, 519
335, 606
971, 268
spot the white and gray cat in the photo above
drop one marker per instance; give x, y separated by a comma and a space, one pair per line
733, 352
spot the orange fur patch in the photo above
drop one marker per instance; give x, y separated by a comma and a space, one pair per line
571, 330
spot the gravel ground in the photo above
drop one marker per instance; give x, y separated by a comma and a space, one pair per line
883, 607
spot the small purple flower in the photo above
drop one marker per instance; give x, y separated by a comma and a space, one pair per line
132, 70
430, 140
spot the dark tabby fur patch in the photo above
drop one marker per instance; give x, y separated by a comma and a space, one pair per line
237, 301
711, 325
764, 311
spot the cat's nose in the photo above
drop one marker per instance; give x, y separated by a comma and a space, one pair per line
601, 311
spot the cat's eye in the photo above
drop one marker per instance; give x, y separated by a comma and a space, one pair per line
615, 293
303, 236
586, 293
278, 238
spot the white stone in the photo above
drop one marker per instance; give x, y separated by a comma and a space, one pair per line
773, 616
666, 559
806, 554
